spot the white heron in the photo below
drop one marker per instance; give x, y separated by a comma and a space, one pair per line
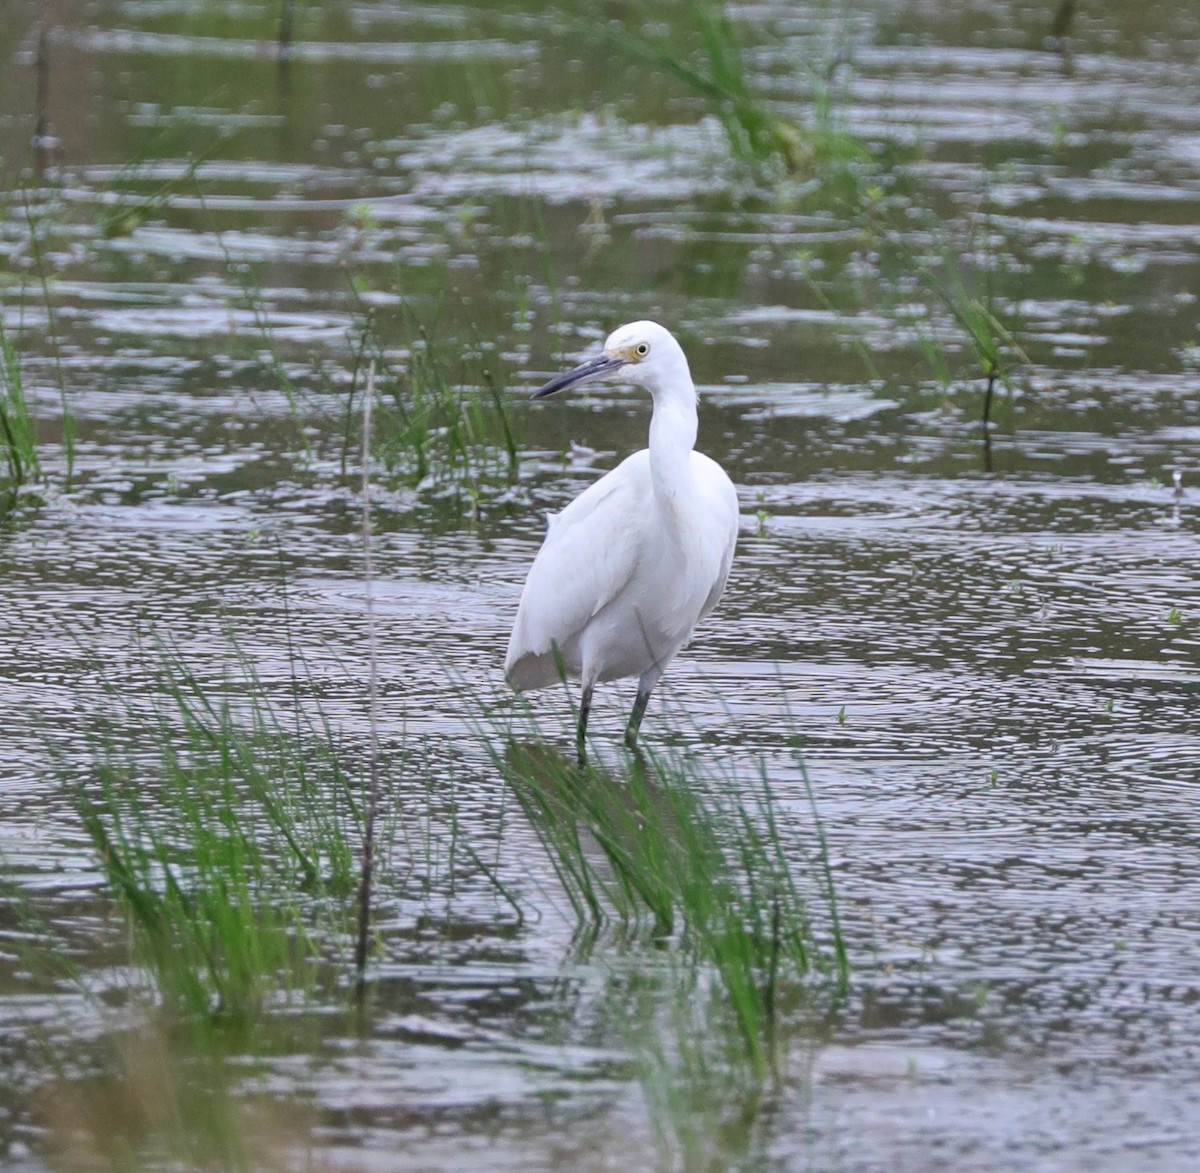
630, 566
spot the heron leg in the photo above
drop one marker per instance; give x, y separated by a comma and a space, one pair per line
585, 707
645, 684
635, 718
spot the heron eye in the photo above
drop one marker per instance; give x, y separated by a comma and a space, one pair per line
642, 349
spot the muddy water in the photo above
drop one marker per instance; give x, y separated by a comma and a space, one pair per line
994, 674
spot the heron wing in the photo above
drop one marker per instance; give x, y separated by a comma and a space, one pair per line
590, 553
724, 503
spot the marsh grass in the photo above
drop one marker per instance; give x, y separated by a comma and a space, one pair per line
991, 343
958, 279
716, 71
442, 424
18, 435
709, 59
131, 197
226, 826
39, 208
228, 838
226, 823
374, 783
697, 862
995, 350
38, 221
718, 928
255, 303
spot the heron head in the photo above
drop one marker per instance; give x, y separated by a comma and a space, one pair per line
640, 352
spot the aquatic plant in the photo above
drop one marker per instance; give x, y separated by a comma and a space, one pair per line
126, 204
246, 277
964, 292
219, 832
439, 433
38, 218
18, 436
442, 434
754, 134
696, 860
720, 939
715, 70
989, 340
1060, 26
374, 785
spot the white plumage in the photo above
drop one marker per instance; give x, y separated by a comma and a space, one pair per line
630, 567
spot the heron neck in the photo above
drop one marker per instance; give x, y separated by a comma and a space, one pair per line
672, 438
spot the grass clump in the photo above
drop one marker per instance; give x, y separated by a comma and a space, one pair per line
441, 433
991, 343
702, 865
223, 843
715, 70
437, 433
18, 437
959, 279
444, 434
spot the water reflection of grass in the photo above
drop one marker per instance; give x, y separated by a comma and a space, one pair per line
159, 1101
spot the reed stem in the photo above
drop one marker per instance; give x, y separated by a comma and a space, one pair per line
368, 857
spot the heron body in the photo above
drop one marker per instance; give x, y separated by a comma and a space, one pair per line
630, 567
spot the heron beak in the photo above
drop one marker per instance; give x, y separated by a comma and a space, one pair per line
595, 368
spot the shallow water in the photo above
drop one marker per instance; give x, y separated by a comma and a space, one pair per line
994, 674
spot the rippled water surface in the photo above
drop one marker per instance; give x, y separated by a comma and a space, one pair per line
988, 649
